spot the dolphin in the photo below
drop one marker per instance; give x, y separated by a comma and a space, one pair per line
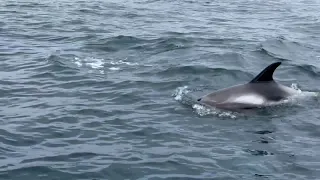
260, 92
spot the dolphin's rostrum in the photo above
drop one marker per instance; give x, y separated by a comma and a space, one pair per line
259, 92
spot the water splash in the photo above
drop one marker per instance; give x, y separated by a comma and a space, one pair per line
92, 62
204, 111
295, 87
114, 68
182, 94
100, 64
123, 62
301, 96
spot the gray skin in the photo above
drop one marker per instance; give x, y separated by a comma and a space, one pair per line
260, 92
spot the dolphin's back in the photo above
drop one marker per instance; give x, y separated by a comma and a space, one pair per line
223, 94
259, 91
246, 95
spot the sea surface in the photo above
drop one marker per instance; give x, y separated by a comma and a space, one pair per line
106, 89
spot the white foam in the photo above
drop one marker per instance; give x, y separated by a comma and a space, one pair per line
94, 63
114, 68
123, 62
180, 91
181, 95
301, 93
79, 64
298, 97
295, 87
203, 111
301, 96
99, 64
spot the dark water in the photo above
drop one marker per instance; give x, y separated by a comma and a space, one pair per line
104, 89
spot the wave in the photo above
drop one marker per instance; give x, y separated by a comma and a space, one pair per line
173, 41
113, 44
198, 69
68, 157
30, 171
311, 70
25, 5
287, 50
58, 63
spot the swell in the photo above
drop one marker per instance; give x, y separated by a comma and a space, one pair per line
196, 69
287, 50
122, 42
12, 140
35, 77
310, 70
294, 54
60, 64
179, 75
25, 5
69, 157
157, 45
32, 171
143, 159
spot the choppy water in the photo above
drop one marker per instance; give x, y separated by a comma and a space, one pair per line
104, 89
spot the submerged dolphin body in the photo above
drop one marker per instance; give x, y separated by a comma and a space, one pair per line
259, 92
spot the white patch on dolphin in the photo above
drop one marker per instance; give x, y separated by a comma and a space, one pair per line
249, 99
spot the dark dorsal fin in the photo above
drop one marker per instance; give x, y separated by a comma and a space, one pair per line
267, 74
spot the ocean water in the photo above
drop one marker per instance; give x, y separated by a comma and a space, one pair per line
106, 89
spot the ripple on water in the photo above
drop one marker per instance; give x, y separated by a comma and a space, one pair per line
107, 90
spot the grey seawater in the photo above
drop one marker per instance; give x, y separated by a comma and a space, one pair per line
105, 89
